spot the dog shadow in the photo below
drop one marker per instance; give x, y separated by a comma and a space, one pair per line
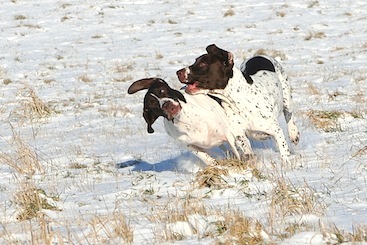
183, 163
142, 166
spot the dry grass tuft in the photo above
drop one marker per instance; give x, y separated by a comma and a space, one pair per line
33, 106
7, 81
236, 164
23, 159
328, 120
236, 228
122, 227
325, 120
77, 166
271, 53
229, 12
172, 22
289, 200
211, 177
360, 152
313, 90
358, 234
123, 71
158, 55
31, 201
176, 210
313, 35
107, 228
85, 78
312, 4
227, 226
123, 68
280, 14
20, 17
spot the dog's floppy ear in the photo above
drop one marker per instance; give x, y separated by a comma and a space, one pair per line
226, 56
150, 118
141, 84
179, 95
151, 111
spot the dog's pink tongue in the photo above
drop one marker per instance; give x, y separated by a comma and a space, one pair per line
191, 88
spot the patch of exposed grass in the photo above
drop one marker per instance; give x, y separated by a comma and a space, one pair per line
271, 53
313, 89
358, 234
123, 71
172, 22
20, 17
328, 120
280, 14
115, 225
22, 158
236, 228
226, 226
7, 81
288, 200
214, 176
240, 166
123, 68
158, 56
85, 78
325, 120
360, 152
77, 166
312, 4
211, 177
33, 106
229, 12
32, 200
313, 35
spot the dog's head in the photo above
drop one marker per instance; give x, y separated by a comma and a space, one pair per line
160, 100
210, 71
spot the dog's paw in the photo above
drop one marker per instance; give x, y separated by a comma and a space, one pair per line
295, 139
294, 134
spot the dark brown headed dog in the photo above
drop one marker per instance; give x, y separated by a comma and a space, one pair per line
157, 89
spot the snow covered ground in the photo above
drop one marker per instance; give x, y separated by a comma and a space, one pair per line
78, 167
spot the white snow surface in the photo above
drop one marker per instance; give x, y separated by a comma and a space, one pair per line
79, 57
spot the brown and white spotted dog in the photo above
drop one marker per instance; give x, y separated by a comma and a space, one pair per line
254, 96
196, 121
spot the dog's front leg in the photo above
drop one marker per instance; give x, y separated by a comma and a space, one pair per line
232, 143
202, 155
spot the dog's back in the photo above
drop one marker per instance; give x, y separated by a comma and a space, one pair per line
202, 122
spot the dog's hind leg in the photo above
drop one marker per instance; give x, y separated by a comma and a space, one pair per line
243, 144
293, 132
277, 132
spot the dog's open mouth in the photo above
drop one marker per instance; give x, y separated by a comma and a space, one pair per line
192, 88
171, 109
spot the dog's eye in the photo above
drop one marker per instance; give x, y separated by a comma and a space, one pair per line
203, 64
162, 91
